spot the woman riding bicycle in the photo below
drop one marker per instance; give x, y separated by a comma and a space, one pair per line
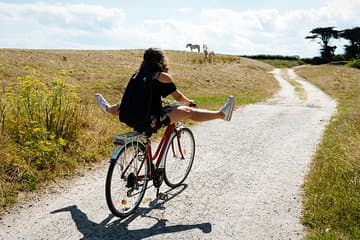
155, 62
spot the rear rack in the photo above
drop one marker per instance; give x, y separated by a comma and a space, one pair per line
122, 139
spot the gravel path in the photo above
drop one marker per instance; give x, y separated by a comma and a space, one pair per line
245, 182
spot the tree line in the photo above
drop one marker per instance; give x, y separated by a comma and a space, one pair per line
327, 52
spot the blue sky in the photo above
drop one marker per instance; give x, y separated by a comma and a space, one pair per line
226, 26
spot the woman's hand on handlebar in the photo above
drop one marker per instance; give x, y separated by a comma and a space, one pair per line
192, 103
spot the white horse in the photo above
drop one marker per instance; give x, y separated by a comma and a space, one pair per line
193, 46
207, 52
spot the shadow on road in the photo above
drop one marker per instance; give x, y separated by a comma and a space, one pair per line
118, 229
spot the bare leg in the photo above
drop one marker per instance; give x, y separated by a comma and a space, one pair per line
183, 113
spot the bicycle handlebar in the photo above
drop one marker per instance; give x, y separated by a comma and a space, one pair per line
192, 104
176, 103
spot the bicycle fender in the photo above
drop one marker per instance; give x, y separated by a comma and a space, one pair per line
115, 154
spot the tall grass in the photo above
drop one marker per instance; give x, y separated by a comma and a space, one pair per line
214, 58
332, 188
39, 124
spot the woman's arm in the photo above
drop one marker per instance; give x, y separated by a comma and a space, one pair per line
177, 94
180, 97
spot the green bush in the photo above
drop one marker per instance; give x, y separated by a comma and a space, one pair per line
40, 125
42, 119
355, 63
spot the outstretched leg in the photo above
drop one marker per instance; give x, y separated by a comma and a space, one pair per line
183, 113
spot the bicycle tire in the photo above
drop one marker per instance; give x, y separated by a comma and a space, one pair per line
178, 164
127, 179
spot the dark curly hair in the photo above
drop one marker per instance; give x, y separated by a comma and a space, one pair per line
154, 61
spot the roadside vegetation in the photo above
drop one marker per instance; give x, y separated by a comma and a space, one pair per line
279, 61
355, 63
50, 126
332, 188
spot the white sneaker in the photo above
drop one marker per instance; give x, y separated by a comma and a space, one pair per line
228, 108
103, 104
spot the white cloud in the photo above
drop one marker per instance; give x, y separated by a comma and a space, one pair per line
184, 10
266, 31
81, 17
269, 31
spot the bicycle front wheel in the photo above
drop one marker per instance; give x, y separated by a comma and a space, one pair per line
126, 180
179, 157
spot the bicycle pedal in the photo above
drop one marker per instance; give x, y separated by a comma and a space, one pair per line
163, 196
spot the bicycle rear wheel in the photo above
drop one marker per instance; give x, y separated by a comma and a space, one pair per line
126, 180
179, 157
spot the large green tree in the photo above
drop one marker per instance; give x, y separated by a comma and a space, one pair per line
353, 35
325, 34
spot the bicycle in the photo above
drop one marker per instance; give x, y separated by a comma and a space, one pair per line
133, 165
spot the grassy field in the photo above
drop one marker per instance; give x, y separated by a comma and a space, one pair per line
332, 188
50, 126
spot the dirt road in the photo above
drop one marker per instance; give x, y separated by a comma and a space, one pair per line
245, 182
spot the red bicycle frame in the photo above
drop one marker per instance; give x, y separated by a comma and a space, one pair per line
160, 150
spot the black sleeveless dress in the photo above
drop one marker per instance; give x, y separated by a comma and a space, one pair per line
158, 112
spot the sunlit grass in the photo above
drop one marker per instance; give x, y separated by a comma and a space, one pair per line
332, 188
